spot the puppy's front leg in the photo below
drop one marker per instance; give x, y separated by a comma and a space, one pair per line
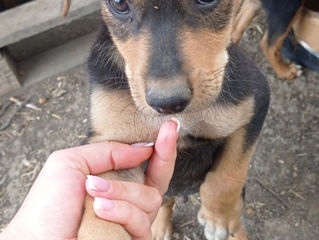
162, 226
244, 17
221, 192
94, 228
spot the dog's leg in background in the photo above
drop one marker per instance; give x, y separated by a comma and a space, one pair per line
221, 192
247, 12
65, 7
281, 16
94, 228
162, 227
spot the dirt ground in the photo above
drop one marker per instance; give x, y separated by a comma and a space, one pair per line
282, 193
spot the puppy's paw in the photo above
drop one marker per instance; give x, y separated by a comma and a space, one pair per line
162, 229
299, 70
218, 228
289, 71
212, 230
294, 71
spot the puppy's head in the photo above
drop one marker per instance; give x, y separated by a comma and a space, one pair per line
174, 51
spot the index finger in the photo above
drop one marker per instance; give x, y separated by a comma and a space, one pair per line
101, 157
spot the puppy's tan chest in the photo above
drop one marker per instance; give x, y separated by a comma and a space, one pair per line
114, 116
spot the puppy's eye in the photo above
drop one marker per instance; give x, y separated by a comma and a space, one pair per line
120, 6
206, 2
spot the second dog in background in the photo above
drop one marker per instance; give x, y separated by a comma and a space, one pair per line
281, 15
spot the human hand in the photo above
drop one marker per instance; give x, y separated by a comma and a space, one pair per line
53, 208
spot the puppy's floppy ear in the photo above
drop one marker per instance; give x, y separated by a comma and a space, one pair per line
65, 7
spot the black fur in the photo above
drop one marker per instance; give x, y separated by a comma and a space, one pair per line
214, 18
243, 79
279, 16
102, 68
312, 4
165, 60
192, 164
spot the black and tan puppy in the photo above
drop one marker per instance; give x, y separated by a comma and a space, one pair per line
154, 60
281, 16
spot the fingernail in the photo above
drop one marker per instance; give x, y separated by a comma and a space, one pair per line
102, 204
97, 183
178, 123
143, 144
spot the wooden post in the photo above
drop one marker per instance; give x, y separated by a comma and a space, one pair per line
8, 73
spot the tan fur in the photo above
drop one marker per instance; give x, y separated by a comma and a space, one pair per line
162, 226
93, 228
206, 64
115, 117
246, 14
135, 53
237, 6
240, 235
220, 193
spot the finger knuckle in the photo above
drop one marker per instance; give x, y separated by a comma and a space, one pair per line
65, 157
118, 190
145, 230
123, 191
129, 211
112, 191
58, 156
147, 225
55, 155
158, 199
149, 234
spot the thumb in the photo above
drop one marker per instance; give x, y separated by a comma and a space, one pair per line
161, 166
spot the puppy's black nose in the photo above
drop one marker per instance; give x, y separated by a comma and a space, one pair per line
169, 105
170, 101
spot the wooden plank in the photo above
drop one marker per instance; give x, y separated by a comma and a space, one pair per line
8, 74
56, 60
38, 16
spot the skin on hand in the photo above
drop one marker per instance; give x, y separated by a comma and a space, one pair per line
53, 207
